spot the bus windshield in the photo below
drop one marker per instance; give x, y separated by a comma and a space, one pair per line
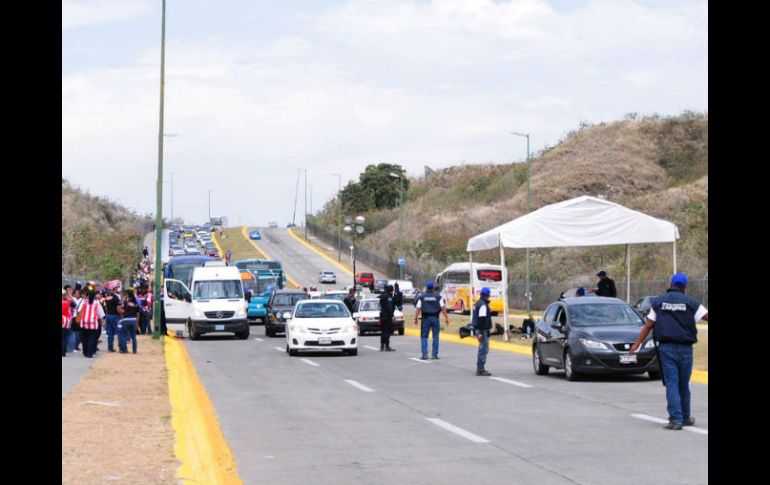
256, 265
489, 275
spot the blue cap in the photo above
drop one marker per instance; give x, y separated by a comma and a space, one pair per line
429, 285
679, 279
601, 273
485, 291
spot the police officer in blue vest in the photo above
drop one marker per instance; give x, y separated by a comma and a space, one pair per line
482, 322
672, 321
430, 304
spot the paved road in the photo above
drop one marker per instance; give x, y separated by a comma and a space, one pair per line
300, 262
75, 365
290, 421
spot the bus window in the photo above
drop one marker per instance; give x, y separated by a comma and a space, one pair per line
489, 275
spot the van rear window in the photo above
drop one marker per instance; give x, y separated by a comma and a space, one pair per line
490, 275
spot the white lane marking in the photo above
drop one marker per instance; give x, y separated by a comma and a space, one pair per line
258, 339
508, 381
370, 347
654, 419
279, 349
359, 385
420, 360
454, 429
308, 361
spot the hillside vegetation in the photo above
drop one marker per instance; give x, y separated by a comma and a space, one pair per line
655, 165
100, 239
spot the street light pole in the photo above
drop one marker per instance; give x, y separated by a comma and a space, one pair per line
159, 185
401, 224
210, 191
527, 291
356, 229
172, 198
339, 211
305, 170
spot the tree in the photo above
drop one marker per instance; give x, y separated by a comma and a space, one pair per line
385, 189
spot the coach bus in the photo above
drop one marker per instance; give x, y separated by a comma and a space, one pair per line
264, 269
454, 284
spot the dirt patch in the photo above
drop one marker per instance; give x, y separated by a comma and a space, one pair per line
116, 421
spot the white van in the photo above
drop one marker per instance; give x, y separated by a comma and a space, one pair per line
214, 303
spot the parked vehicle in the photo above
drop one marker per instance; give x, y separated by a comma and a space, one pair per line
334, 294
327, 277
367, 316
591, 334
366, 279
454, 284
214, 303
379, 286
644, 305
280, 303
321, 324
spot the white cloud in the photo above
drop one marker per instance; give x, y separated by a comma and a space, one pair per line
79, 13
367, 82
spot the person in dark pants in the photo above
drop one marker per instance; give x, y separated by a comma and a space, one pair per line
129, 310
605, 286
431, 305
398, 298
350, 300
672, 320
387, 308
111, 303
92, 320
482, 322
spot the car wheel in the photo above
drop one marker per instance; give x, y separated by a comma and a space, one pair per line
293, 352
268, 333
569, 370
540, 368
401, 331
192, 333
654, 375
243, 335
353, 352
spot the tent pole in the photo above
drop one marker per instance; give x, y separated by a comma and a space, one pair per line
628, 273
674, 255
506, 335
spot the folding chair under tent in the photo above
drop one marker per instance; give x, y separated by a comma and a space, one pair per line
582, 221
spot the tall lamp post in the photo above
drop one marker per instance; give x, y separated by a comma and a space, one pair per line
339, 211
527, 293
159, 185
355, 230
210, 191
400, 225
305, 170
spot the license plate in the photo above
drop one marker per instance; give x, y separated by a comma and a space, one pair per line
324, 340
219, 327
628, 359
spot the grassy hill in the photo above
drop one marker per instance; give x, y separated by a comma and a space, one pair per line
100, 239
658, 166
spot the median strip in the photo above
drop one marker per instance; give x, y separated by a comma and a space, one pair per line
200, 445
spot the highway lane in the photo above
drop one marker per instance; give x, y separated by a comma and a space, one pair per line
290, 421
300, 262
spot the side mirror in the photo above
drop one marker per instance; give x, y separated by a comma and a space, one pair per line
556, 326
188, 298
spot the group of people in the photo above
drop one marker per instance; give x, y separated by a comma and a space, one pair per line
122, 313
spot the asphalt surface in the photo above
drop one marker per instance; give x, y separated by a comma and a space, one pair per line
75, 365
373, 418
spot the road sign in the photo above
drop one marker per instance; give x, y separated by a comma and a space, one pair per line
401, 262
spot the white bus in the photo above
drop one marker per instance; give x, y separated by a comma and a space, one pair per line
454, 285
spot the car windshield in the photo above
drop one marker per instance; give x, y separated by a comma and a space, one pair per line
590, 315
217, 289
369, 306
288, 299
321, 310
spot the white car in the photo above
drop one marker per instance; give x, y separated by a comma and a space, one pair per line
176, 251
367, 316
327, 277
320, 325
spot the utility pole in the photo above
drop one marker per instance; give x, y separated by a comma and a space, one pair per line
339, 211
159, 184
305, 170
210, 191
400, 177
528, 296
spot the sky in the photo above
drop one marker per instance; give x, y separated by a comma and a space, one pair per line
257, 90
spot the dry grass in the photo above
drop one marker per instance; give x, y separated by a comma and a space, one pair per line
130, 442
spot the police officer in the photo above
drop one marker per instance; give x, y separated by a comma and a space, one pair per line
398, 297
350, 300
672, 321
482, 322
387, 308
605, 286
430, 304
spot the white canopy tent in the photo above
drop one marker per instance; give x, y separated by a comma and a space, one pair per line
582, 221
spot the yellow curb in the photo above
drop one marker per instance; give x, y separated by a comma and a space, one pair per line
335, 263
200, 445
699, 376
264, 255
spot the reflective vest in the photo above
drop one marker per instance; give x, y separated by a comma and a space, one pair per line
482, 323
675, 317
431, 303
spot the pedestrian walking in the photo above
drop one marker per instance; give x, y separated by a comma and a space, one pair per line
482, 322
672, 320
228, 256
146, 309
111, 303
65, 322
129, 310
145, 252
387, 308
430, 305
91, 322
605, 286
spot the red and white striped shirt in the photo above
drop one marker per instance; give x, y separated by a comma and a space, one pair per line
66, 321
92, 312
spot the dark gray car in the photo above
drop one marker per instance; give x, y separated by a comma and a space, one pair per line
281, 301
592, 335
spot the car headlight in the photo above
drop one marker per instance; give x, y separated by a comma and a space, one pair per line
197, 312
350, 328
650, 344
593, 344
298, 329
